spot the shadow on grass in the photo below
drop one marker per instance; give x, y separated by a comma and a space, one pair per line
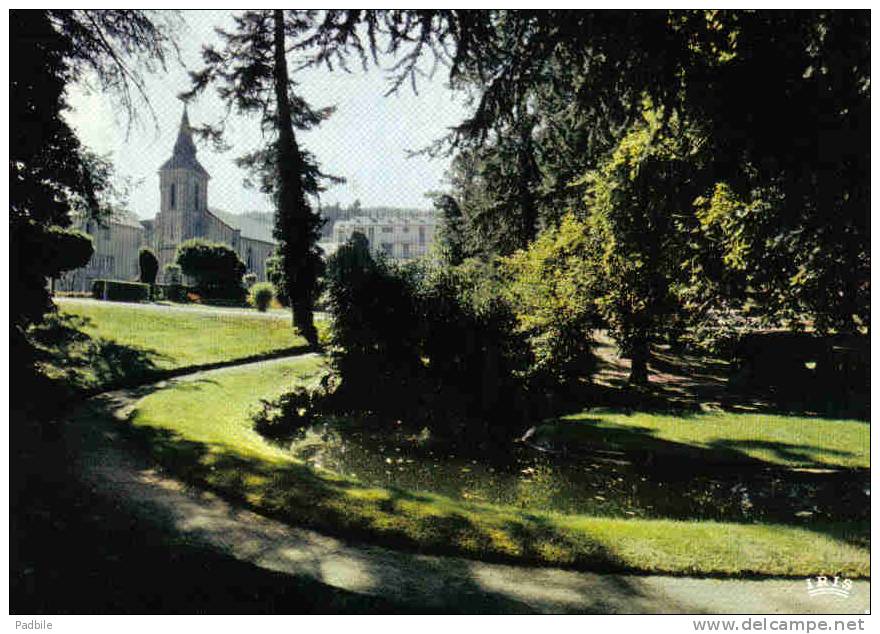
642, 445
397, 518
81, 366
685, 382
83, 363
687, 480
414, 521
128, 553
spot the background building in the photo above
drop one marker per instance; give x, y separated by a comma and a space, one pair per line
184, 214
404, 237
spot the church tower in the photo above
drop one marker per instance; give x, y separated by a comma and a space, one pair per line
183, 190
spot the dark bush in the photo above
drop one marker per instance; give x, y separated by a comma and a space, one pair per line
119, 291
215, 268
171, 292
149, 266
417, 341
37, 253
283, 418
374, 317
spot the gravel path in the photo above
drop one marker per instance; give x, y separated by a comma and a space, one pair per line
117, 472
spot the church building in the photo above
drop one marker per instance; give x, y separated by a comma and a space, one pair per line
183, 214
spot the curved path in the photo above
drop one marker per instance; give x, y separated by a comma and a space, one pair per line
117, 472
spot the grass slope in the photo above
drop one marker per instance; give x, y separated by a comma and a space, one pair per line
790, 441
92, 345
201, 430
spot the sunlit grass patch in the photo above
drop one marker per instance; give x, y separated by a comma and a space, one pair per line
792, 441
90, 345
202, 431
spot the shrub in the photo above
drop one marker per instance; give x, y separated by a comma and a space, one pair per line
171, 292
552, 290
475, 356
275, 275
261, 296
216, 269
149, 266
79, 294
173, 274
425, 341
37, 253
119, 291
285, 417
374, 321
249, 280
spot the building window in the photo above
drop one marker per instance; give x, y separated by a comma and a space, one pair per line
196, 195
405, 250
388, 248
387, 229
173, 196
421, 235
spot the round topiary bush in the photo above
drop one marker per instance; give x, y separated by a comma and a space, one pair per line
261, 296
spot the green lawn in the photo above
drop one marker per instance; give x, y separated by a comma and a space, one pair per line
791, 441
91, 345
202, 431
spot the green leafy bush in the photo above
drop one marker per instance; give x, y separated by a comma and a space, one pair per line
261, 296
552, 287
215, 268
173, 274
418, 341
275, 275
374, 320
40, 252
119, 291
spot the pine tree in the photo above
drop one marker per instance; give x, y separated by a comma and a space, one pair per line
250, 71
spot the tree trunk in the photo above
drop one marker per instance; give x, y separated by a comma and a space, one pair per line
292, 227
640, 355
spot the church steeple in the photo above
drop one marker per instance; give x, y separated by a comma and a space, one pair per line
184, 154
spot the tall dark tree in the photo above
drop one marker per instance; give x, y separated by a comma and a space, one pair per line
250, 72
51, 174
783, 95
296, 225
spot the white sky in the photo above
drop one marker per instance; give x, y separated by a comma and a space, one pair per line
365, 141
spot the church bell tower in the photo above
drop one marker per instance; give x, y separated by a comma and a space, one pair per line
183, 190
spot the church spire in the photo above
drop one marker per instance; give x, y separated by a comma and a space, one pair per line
184, 154
184, 146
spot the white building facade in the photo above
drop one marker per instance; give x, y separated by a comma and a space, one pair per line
405, 237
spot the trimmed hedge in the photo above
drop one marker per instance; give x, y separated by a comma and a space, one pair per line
119, 291
172, 292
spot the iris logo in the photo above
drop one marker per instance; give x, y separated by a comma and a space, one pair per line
835, 586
